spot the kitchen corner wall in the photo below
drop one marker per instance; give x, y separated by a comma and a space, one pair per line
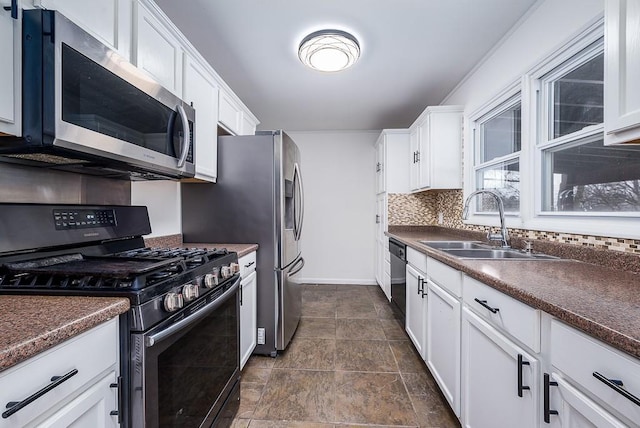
338, 234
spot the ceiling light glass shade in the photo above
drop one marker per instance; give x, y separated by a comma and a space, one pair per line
329, 50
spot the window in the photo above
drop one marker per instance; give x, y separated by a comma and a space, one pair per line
498, 140
579, 173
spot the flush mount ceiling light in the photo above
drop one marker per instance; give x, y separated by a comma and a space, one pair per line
329, 50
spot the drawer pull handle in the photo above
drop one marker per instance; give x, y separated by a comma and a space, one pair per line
617, 386
521, 387
14, 406
421, 286
547, 406
249, 264
483, 303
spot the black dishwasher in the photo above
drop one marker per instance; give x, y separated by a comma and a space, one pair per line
398, 258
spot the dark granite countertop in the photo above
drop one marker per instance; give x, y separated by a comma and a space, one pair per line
598, 300
32, 324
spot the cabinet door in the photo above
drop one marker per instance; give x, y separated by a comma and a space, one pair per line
201, 91
229, 113
248, 125
10, 70
622, 62
91, 409
493, 378
416, 309
443, 343
414, 165
107, 20
424, 153
572, 409
157, 51
380, 165
248, 317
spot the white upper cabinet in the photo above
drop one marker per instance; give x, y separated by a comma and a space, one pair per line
435, 160
230, 113
107, 20
10, 106
392, 175
156, 50
200, 89
622, 68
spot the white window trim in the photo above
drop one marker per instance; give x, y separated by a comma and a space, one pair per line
505, 98
623, 225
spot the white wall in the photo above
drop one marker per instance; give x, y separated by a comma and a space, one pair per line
162, 199
548, 25
338, 236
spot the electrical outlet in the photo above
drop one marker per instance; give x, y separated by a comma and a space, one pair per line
440, 218
261, 336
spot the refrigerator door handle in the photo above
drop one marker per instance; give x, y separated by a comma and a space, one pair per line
299, 214
295, 271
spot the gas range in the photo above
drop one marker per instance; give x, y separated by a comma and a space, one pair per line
179, 340
99, 251
157, 281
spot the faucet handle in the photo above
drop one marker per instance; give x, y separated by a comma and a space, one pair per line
528, 246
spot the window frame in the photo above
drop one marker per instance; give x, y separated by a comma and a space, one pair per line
535, 125
507, 98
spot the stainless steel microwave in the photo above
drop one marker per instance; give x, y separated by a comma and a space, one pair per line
87, 109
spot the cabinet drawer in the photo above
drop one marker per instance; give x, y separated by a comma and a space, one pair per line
247, 264
445, 276
92, 353
511, 316
417, 259
582, 358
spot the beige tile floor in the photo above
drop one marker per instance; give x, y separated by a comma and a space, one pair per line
350, 364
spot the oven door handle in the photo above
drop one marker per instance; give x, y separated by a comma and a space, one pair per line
195, 317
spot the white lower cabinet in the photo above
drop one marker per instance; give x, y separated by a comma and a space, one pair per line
416, 309
609, 377
248, 306
566, 407
499, 378
71, 384
443, 342
91, 409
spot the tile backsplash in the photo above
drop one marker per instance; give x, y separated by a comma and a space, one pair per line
422, 209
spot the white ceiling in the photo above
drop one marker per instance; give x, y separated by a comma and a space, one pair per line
414, 52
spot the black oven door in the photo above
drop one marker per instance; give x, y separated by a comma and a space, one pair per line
183, 373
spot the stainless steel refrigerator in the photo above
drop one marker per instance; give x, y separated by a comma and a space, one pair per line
258, 198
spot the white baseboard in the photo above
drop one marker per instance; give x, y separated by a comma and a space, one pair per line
334, 281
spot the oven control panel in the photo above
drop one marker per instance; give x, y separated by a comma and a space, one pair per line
83, 219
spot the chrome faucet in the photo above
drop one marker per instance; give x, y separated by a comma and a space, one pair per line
503, 236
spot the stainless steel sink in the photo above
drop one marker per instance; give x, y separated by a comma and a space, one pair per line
497, 253
453, 245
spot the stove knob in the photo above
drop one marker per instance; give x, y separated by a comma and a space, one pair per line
226, 271
235, 268
173, 302
210, 280
190, 292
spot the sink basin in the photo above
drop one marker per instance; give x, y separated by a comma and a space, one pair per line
451, 245
497, 253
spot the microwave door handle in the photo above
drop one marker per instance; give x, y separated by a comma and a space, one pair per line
185, 136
